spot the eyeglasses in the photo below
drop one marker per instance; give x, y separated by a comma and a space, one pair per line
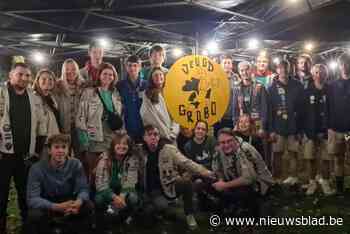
155, 134
226, 142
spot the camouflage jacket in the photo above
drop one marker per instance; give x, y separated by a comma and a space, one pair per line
91, 111
170, 159
38, 121
247, 164
129, 176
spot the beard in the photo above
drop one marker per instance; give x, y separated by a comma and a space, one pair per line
20, 86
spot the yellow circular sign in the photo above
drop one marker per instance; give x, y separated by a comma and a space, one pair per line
196, 88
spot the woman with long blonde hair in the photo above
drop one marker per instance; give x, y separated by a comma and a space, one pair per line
68, 92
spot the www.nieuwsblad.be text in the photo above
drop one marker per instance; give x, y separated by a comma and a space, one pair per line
216, 220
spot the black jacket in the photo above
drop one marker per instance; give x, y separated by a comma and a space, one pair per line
339, 105
315, 111
286, 107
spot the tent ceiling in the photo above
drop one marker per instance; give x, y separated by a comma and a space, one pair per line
65, 27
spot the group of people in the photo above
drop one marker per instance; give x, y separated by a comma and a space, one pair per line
109, 148
298, 118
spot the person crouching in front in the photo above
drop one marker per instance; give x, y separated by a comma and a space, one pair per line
243, 177
116, 178
57, 190
163, 184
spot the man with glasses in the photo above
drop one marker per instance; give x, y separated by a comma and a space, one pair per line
241, 172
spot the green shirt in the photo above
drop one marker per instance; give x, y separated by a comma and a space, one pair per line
107, 99
83, 136
106, 196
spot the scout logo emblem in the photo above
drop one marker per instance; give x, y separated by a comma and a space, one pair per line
312, 99
196, 88
347, 137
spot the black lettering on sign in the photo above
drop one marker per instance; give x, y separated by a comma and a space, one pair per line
213, 108
204, 62
199, 116
210, 66
189, 116
185, 68
206, 112
197, 61
182, 110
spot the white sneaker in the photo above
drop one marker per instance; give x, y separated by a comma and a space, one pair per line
191, 222
318, 177
311, 188
326, 188
128, 220
291, 181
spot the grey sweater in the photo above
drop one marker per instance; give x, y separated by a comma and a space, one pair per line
47, 185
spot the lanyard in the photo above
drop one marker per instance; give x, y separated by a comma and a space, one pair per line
282, 93
249, 104
245, 102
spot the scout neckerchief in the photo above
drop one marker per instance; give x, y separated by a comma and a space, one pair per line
282, 111
248, 105
92, 71
318, 98
247, 102
231, 170
117, 173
